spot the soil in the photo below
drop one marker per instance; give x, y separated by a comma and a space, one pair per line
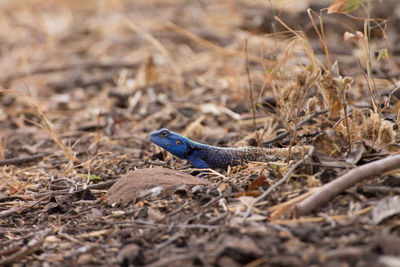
83, 84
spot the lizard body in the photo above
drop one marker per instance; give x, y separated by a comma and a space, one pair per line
204, 156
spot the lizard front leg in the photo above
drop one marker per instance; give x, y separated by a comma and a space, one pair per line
197, 162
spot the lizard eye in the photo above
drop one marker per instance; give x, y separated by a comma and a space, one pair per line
164, 134
178, 142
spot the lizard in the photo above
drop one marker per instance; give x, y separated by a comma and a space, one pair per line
203, 156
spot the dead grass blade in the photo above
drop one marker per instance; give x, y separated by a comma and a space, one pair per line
217, 49
158, 45
46, 124
320, 34
322, 219
288, 206
281, 181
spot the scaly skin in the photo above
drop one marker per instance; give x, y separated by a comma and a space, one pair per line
203, 156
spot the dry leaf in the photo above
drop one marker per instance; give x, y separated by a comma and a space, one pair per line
354, 36
259, 181
386, 208
145, 182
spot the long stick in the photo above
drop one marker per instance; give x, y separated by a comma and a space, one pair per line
354, 176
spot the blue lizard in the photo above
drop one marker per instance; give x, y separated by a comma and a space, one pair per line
203, 156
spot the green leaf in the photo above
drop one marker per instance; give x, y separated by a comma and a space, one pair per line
383, 54
92, 177
344, 6
353, 5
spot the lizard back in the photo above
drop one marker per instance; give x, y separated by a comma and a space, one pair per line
221, 157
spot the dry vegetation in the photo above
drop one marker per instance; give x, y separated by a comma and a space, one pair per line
83, 83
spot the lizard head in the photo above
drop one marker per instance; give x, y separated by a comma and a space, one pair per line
172, 142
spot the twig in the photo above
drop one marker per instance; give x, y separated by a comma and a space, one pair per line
354, 176
390, 96
220, 217
373, 101
285, 134
48, 193
173, 260
172, 239
344, 102
180, 208
103, 185
321, 34
184, 226
82, 65
23, 160
16, 230
322, 219
16, 209
379, 189
28, 249
281, 181
209, 203
9, 251
6, 213
253, 105
328, 164
348, 115
204, 171
288, 206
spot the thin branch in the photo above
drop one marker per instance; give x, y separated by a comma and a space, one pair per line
98, 186
321, 35
103, 185
6, 213
33, 245
253, 105
281, 181
373, 101
344, 105
174, 260
84, 66
285, 134
18, 209
379, 189
23, 160
354, 176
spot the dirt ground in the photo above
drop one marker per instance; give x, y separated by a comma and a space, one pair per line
84, 83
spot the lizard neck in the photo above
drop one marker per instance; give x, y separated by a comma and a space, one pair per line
196, 146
